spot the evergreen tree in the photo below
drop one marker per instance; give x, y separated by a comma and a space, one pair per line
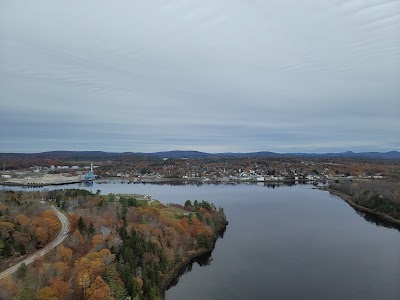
22, 270
118, 290
91, 230
81, 224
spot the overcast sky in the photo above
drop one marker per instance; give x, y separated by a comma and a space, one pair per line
209, 75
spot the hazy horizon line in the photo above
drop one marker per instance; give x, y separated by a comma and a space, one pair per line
191, 150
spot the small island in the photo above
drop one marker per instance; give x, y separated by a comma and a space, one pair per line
116, 246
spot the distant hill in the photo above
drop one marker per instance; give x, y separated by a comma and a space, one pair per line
351, 154
87, 155
178, 154
348, 154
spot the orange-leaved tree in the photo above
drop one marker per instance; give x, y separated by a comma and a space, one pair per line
99, 290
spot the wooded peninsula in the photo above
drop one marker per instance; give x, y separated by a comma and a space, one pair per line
117, 246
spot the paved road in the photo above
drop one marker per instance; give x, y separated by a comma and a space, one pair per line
60, 238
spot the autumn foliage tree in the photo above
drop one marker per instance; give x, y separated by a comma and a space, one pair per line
99, 290
25, 224
41, 235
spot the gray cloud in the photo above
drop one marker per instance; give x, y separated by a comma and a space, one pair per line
206, 75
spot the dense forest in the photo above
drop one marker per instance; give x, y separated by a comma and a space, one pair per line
119, 245
25, 226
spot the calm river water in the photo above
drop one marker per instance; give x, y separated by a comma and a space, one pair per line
288, 242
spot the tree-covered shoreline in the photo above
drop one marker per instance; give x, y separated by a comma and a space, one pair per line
379, 197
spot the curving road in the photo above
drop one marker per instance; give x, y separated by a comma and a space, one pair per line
50, 246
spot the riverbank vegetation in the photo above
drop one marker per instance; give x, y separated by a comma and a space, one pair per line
377, 195
119, 246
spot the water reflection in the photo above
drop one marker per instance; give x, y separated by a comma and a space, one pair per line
203, 261
201, 183
88, 184
378, 221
